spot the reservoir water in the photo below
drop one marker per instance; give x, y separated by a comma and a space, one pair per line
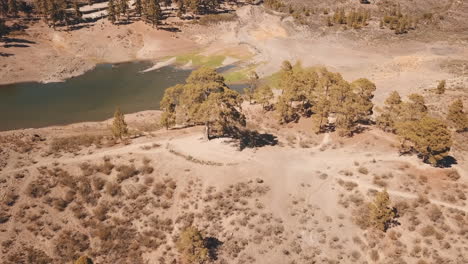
92, 96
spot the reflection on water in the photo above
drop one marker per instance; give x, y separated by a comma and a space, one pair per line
92, 96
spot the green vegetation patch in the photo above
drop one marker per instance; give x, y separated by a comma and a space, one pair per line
238, 76
216, 18
200, 60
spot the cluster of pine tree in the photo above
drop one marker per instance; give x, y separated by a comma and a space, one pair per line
55, 12
354, 18
421, 133
398, 22
151, 11
9, 8
322, 94
66, 12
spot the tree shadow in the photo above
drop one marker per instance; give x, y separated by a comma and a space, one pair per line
447, 162
170, 29
78, 27
213, 244
253, 139
15, 45
3, 54
17, 40
394, 221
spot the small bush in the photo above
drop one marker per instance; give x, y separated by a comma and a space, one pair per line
453, 175
69, 244
126, 172
363, 170
434, 213
37, 188
113, 189
74, 143
4, 216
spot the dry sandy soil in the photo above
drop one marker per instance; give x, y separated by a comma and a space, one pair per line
299, 201
73, 190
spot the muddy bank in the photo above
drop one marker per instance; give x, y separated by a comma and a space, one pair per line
41, 54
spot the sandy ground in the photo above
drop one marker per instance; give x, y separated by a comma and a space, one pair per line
403, 64
310, 201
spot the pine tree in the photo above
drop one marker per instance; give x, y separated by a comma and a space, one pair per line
119, 127
13, 8
428, 137
204, 99
138, 7
3, 8
263, 95
364, 89
191, 246
253, 83
381, 213
123, 8
111, 11
441, 87
3, 28
390, 112
76, 8
153, 12
457, 117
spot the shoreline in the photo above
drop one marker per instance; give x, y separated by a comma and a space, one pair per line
55, 56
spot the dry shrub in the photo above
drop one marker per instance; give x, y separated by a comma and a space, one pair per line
428, 231
4, 215
79, 211
165, 188
69, 245
74, 143
86, 192
126, 172
374, 255
87, 169
9, 198
363, 170
453, 175
60, 204
98, 183
434, 213
38, 188
361, 217
28, 255
402, 207
113, 189
422, 200
105, 167
100, 212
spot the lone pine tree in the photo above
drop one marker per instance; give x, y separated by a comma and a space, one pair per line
381, 213
457, 117
119, 127
191, 246
204, 100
